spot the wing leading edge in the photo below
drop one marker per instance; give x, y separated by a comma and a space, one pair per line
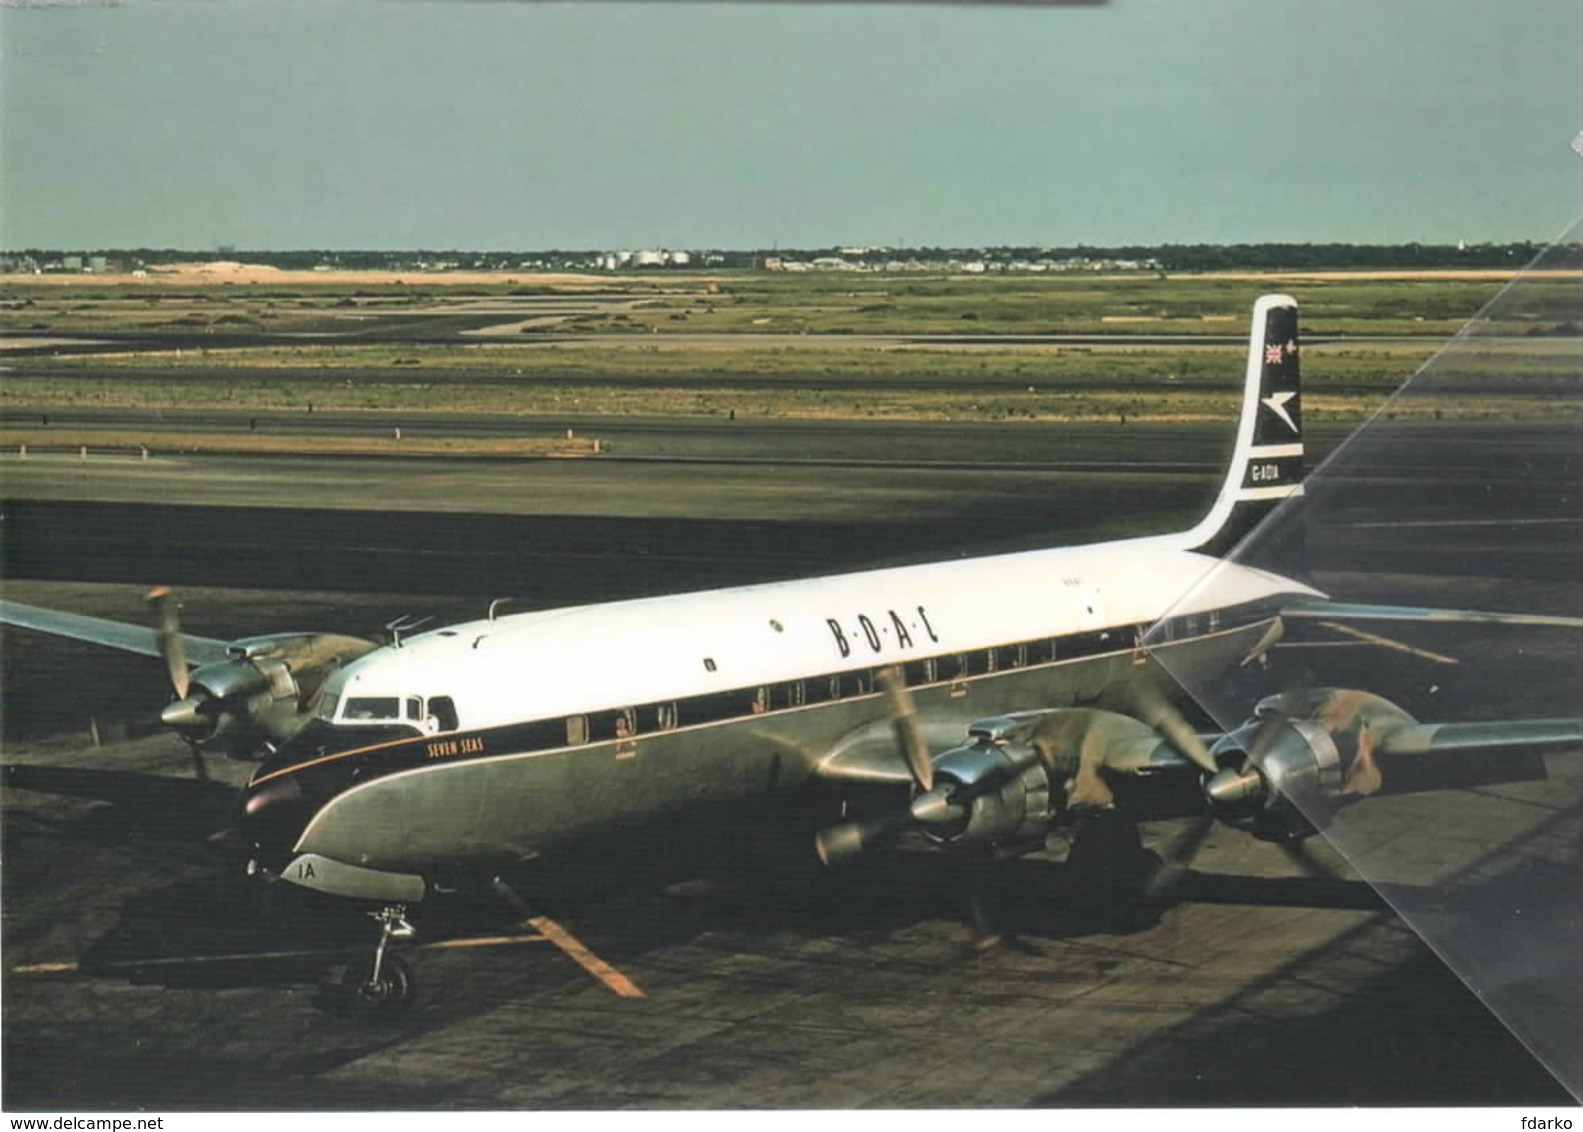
111, 634
1323, 609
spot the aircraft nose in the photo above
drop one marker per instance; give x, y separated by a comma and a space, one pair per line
273, 816
276, 793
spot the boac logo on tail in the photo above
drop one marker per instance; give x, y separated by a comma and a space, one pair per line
1276, 403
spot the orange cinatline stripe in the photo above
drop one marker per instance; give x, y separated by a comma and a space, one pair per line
484, 941
586, 959
337, 755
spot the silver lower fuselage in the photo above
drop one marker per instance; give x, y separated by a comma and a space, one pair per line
444, 813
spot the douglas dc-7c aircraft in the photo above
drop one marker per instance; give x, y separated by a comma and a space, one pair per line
984, 700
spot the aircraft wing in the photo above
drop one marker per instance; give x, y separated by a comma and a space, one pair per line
112, 634
1417, 756
1318, 609
1446, 738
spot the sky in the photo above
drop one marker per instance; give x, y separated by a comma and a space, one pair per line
604, 124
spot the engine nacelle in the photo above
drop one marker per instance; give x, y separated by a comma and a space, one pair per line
258, 697
990, 793
1300, 757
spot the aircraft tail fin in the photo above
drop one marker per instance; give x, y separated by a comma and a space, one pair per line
1267, 463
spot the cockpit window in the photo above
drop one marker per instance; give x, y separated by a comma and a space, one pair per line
325, 708
364, 708
443, 709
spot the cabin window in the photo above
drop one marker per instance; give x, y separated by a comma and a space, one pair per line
714, 707
1082, 644
919, 672
414, 707
361, 709
618, 724
848, 684
576, 730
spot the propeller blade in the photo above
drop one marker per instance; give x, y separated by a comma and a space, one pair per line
849, 839
181, 715
904, 718
839, 842
986, 933
1178, 855
171, 647
1299, 854
1162, 715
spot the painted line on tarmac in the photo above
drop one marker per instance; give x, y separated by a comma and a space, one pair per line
1568, 521
585, 958
237, 957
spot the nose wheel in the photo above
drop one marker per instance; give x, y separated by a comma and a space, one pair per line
384, 981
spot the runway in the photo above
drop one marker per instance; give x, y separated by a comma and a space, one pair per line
1261, 986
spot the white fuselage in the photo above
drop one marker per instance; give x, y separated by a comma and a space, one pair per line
505, 735
583, 659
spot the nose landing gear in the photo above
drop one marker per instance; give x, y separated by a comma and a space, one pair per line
382, 982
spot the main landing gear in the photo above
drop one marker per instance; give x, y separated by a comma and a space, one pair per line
384, 981
1112, 873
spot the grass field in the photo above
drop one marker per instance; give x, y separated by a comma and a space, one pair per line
769, 344
56, 440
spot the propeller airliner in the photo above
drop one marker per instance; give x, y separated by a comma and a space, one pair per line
982, 703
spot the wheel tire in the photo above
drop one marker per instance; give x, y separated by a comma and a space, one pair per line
397, 985
354, 992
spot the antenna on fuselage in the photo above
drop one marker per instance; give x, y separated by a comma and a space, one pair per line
498, 602
406, 623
